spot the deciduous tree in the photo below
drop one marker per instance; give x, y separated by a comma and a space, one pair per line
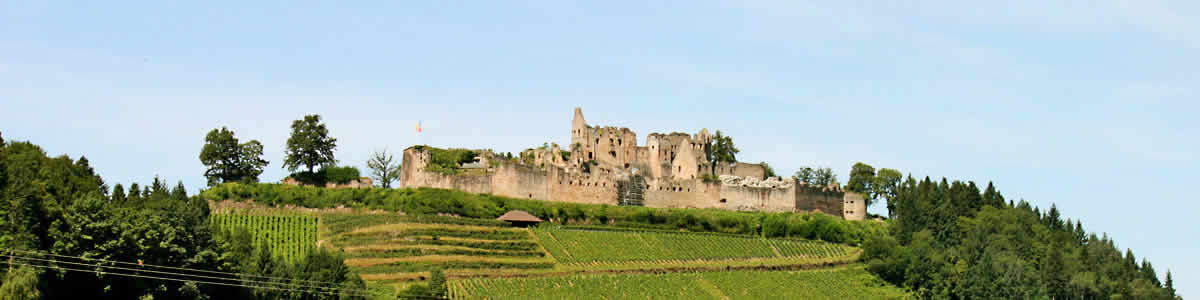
383, 168
884, 187
862, 180
230, 161
309, 145
720, 150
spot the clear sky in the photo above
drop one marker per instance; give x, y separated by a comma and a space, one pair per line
1087, 104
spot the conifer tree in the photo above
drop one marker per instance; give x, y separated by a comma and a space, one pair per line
135, 193
118, 194
1170, 284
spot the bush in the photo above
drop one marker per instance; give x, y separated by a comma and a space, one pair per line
340, 175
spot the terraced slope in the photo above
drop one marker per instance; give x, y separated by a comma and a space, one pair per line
842, 283
391, 248
588, 247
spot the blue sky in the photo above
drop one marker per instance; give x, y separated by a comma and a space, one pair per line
1086, 104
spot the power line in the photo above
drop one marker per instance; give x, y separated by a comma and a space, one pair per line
187, 275
177, 274
182, 280
166, 267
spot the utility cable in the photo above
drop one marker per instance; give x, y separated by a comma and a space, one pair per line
177, 274
184, 280
166, 267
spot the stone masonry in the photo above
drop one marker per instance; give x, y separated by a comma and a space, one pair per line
605, 165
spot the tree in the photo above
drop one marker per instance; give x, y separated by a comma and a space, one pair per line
862, 177
720, 150
1170, 285
805, 174
884, 186
229, 161
20, 283
309, 145
825, 177
768, 172
383, 169
118, 194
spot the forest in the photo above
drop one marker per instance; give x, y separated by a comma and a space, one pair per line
62, 226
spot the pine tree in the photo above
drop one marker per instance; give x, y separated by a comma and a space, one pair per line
135, 193
179, 192
118, 194
1170, 284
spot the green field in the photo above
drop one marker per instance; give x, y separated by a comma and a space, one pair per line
575, 246
289, 235
843, 283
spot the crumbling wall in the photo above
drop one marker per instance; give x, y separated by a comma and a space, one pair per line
520, 181
741, 169
582, 188
815, 198
667, 193
750, 193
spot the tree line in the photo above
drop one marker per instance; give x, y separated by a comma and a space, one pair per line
309, 146
58, 215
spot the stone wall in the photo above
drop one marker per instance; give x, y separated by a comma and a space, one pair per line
606, 166
814, 198
413, 174
855, 207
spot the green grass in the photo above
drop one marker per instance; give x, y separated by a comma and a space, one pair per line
575, 246
289, 235
843, 283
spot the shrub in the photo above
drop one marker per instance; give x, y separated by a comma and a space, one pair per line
340, 175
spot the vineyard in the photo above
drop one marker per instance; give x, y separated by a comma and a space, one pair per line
584, 247
389, 248
845, 283
289, 235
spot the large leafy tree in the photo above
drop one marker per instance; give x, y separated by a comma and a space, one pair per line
384, 168
884, 187
720, 150
229, 161
862, 180
309, 145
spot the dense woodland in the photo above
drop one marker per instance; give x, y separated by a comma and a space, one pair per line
949, 240
61, 224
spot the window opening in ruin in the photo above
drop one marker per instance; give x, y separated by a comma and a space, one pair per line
597, 141
530, 196
626, 165
722, 200
589, 155
618, 142
613, 154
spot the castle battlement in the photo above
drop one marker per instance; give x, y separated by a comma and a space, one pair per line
606, 165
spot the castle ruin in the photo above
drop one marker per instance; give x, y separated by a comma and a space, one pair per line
605, 165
